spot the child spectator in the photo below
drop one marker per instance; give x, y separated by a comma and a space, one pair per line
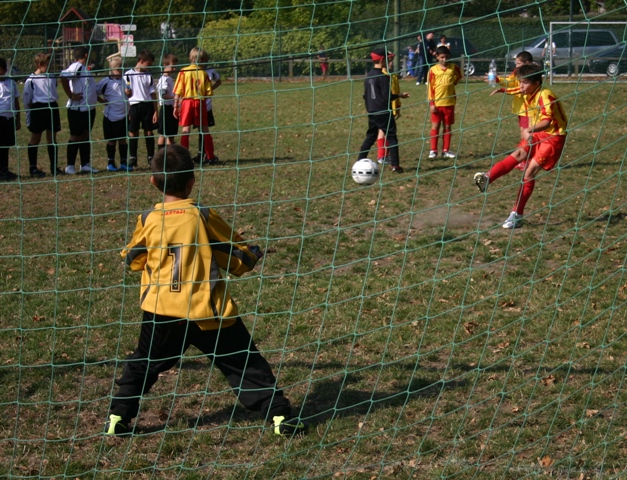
443, 42
542, 143
10, 121
379, 98
323, 58
512, 87
179, 247
142, 98
191, 89
441, 94
411, 54
80, 88
168, 125
111, 91
216, 81
42, 114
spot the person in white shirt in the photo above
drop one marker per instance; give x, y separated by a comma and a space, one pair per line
80, 88
112, 92
168, 125
142, 97
10, 121
42, 114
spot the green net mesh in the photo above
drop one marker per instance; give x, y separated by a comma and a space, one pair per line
415, 336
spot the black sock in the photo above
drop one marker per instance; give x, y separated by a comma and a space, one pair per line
123, 149
85, 149
32, 156
133, 142
52, 155
72, 152
150, 146
111, 153
4, 159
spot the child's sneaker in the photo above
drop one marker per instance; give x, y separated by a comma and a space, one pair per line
36, 173
112, 168
397, 169
7, 176
87, 168
448, 155
433, 154
132, 162
149, 161
288, 427
70, 170
213, 161
384, 161
116, 426
125, 167
513, 221
482, 180
196, 158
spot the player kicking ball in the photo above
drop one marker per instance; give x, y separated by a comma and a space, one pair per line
541, 145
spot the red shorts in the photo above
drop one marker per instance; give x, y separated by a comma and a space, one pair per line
324, 66
193, 113
444, 115
545, 149
523, 121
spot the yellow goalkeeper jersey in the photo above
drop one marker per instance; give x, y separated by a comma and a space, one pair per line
180, 247
511, 86
193, 82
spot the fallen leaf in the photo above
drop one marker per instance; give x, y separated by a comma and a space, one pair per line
470, 327
545, 461
548, 381
591, 413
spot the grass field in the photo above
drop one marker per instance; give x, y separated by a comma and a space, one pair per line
416, 336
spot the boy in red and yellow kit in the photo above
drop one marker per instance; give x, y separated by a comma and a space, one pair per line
511, 86
442, 79
191, 90
542, 143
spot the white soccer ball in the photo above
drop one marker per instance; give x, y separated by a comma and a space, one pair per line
365, 171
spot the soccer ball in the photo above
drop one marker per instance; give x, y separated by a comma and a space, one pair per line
365, 171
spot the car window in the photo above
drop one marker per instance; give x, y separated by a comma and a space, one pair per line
601, 39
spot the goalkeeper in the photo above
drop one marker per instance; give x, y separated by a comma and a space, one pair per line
179, 247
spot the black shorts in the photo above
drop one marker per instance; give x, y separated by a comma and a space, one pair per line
140, 116
7, 131
81, 122
43, 117
168, 125
210, 119
116, 130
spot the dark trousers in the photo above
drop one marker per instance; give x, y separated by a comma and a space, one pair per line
421, 70
381, 121
162, 342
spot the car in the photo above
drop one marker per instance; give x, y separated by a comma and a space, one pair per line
462, 46
611, 62
581, 42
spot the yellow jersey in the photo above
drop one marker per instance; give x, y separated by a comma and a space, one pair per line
193, 82
441, 84
180, 248
512, 87
543, 104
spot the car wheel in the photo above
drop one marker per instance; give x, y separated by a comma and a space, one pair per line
469, 69
612, 70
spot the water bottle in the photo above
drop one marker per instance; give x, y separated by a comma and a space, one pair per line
492, 73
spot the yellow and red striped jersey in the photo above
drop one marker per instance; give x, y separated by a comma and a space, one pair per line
511, 86
543, 104
193, 82
441, 84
